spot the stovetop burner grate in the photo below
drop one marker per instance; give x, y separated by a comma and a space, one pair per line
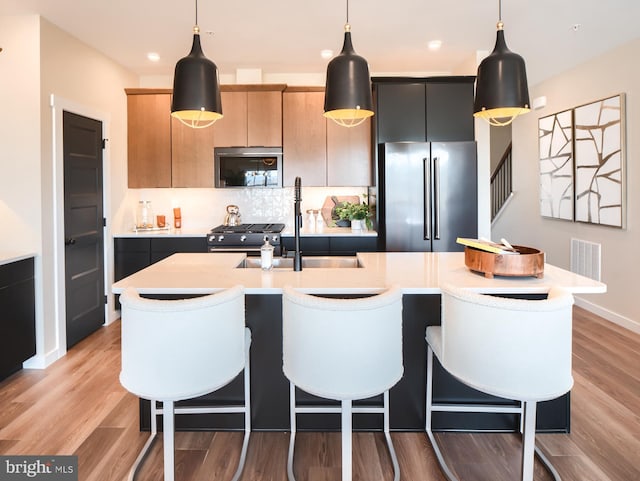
248, 229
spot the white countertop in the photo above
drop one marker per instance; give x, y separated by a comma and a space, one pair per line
162, 233
415, 272
7, 257
324, 232
330, 232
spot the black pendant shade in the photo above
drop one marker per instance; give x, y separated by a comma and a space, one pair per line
501, 85
347, 99
196, 88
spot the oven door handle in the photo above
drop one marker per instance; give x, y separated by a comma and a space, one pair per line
234, 249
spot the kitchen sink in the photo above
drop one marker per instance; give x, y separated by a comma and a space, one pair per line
326, 262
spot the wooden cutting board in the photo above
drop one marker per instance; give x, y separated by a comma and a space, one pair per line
329, 204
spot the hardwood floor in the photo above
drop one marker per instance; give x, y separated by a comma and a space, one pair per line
77, 406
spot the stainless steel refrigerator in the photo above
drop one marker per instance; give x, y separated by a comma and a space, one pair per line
427, 195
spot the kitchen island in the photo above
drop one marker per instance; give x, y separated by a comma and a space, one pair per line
419, 274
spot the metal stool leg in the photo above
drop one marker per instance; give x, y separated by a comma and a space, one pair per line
292, 438
436, 448
168, 413
137, 464
346, 440
168, 427
247, 408
387, 435
527, 426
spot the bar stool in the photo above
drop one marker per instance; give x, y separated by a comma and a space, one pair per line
181, 349
511, 348
342, 349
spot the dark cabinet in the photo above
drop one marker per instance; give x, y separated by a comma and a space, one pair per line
17, 315
350, 246
450, 111
161, 248
400, 112
333, 246
437, 109
310, 246
130, 256
134, 254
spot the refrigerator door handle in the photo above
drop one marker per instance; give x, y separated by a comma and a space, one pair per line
436, 198
427, 198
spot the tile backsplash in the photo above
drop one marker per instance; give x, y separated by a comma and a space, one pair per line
203, 209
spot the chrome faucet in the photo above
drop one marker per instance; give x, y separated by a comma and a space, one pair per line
297, 256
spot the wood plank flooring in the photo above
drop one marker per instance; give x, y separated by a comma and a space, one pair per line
77, 406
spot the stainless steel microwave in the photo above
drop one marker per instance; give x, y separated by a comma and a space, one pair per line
248, 166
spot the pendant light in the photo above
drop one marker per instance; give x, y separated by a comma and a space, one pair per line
347, 98
501, 85
196, 87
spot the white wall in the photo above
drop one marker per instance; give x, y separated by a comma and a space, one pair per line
39, 60
20, 134
20, 196
615, 72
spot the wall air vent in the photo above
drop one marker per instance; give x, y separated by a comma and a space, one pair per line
586, 258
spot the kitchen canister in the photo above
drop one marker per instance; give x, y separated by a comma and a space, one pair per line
144, 215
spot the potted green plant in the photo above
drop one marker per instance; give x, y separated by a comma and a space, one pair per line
361, 213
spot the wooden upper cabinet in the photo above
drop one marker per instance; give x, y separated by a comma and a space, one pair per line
191, 156
148, 138
252, 117
231, 129
162, 152
304, 137
349, 154
264, 119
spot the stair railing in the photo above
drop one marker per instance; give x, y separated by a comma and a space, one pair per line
501, 183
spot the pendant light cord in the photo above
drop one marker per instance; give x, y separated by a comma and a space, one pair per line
347, 11
196, 12
500, 10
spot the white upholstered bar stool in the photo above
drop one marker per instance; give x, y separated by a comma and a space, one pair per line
511, 348
342, 349
174, 350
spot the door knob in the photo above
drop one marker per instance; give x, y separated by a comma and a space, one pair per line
69, 241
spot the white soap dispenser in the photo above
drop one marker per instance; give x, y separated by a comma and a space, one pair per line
266, 255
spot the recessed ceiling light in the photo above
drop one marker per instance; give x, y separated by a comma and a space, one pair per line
153, 56
326, 53
435, 44
576, 26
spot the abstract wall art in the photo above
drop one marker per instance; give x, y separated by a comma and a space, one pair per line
555, 144
599, 162
581, 160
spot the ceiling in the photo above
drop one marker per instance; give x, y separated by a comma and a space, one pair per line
286, 36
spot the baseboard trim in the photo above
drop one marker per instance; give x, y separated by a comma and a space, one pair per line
610, 316
42, 361
112, 317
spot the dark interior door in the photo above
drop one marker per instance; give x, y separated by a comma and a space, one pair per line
83, 226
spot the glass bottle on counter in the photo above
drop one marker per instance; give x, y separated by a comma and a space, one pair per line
311, 220
266, 255
319, 221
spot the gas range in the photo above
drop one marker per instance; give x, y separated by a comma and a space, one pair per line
247, 238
